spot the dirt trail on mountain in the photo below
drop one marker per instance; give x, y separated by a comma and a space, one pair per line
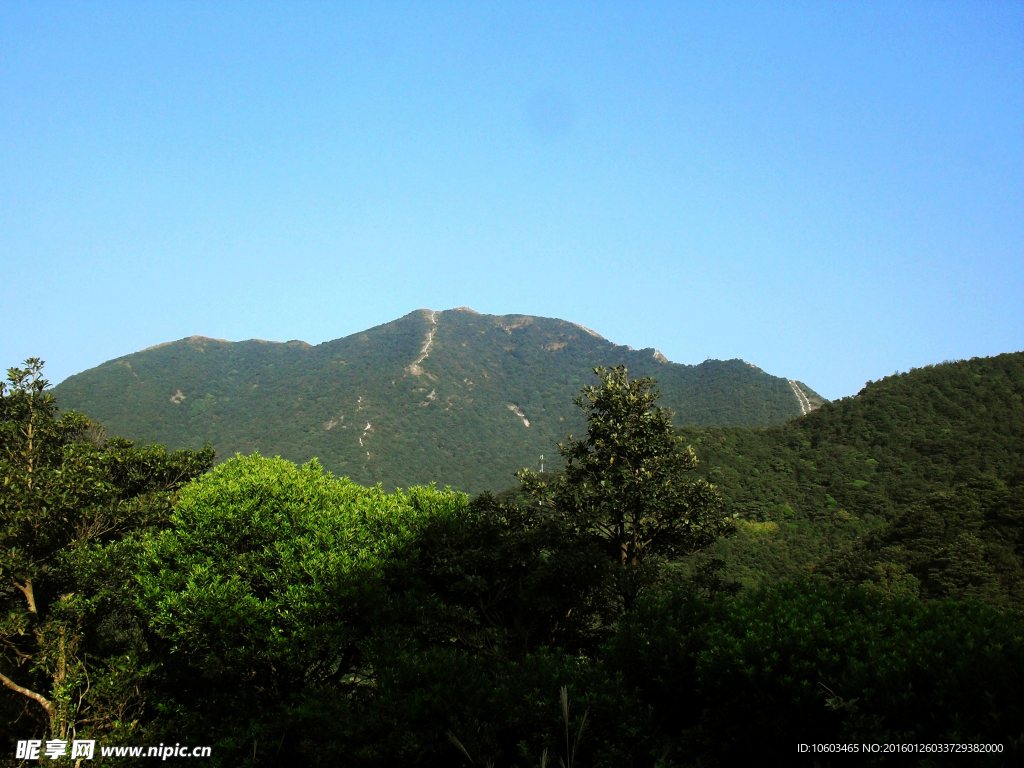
805, 403
425, 352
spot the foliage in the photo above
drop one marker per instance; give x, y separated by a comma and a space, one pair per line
69, 646
686, 682
272, 580
501, 714
805, 662
627, 483
453, 417
966, 543
289, 617
817, 484
515, 578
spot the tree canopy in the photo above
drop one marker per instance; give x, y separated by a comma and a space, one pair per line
628, 480
65, 632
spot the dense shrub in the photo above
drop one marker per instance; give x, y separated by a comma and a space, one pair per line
805, 662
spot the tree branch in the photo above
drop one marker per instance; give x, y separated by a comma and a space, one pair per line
29, 596
43, 701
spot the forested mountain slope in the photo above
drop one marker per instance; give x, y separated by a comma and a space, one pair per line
920, 474
454, 397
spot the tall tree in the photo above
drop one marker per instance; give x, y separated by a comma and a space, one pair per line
628, 481
64, 491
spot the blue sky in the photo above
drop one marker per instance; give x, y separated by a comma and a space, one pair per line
833, 192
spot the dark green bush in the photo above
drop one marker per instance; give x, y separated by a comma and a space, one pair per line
810, 663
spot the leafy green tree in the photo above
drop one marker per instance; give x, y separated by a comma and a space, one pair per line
627, 481
68, 645
272, 584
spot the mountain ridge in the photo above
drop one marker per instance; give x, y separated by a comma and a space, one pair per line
455, 396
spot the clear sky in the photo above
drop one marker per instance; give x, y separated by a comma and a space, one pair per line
833, 192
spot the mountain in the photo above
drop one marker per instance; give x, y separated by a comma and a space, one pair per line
456, 397
915, 485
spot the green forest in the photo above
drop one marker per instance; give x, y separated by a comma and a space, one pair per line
670, 596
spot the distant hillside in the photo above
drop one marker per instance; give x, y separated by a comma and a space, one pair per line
919, 475
455, 397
